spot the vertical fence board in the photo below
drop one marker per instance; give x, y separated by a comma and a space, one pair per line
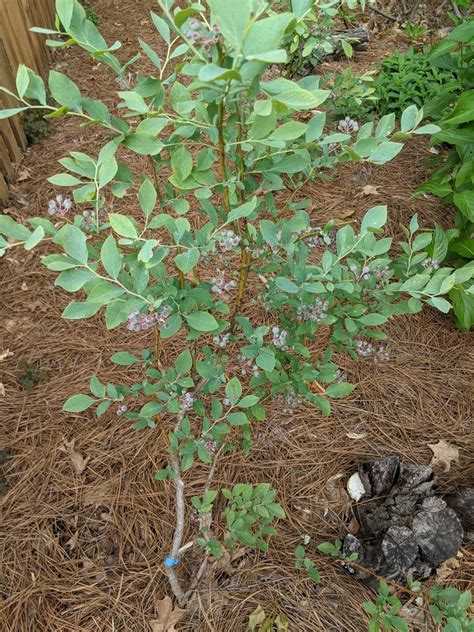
19, 46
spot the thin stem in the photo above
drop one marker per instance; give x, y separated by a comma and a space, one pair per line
222, 164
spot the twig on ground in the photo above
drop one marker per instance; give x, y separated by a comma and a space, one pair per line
389, 16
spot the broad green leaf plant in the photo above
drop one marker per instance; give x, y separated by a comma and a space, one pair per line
225, 149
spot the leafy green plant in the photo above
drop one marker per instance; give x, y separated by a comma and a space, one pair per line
414, 31
450, 607
406, 78
315, 33
453, 180
384, 611
221, 143
29, 375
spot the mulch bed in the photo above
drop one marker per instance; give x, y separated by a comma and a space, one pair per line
83, 551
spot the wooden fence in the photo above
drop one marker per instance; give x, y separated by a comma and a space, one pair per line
19, 46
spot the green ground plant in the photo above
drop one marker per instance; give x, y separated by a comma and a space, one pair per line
219, 142
453, 179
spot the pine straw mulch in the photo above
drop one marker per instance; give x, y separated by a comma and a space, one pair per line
86, 526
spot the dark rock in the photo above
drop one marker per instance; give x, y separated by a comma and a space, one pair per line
414, 479
462, 501
399, 547
381, 474
438, 531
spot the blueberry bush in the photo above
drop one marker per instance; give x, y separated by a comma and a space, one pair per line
224, 150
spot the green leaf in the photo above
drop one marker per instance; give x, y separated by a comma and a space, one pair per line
242, 211
266, 359
64, 9
64, 91
107, 171
237, 419
316, 127
385, 151
22, 80
233, 390
335, 391
182, 163
279, 56
124, 358
232, 18
213, 72
73, 240
184, 362
134, 101
143, 144
300, 99
147, 197
9, 112
464, 200
410, 118
12, 229
110, 257
289, 131
64, 180
202, 321
34, 239
76, 311
375, 218
463, 111
162, 27
286, 285
78, 403
248, 401
373, 320
440, 303
187, 260
123, 226
96, 387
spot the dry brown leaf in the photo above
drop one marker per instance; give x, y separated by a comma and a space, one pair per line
336, 492
168, 616
73, 541
370, 189
447, 568
24, 174
443, 455
5, 354
78, 461
353, 526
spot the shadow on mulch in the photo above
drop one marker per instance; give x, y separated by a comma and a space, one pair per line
86, 526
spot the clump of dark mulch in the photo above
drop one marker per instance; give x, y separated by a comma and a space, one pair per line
406, 528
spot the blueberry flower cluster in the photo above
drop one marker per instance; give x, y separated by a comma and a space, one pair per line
59, 206
221, 341
89, 221
186, 401
348, 126
279, 338
142, 322
366, 349
290, 402
315, 240
121, 410
196, 33
220, 285
228, 240
123, 84
316, 312
247, 366
430, 263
